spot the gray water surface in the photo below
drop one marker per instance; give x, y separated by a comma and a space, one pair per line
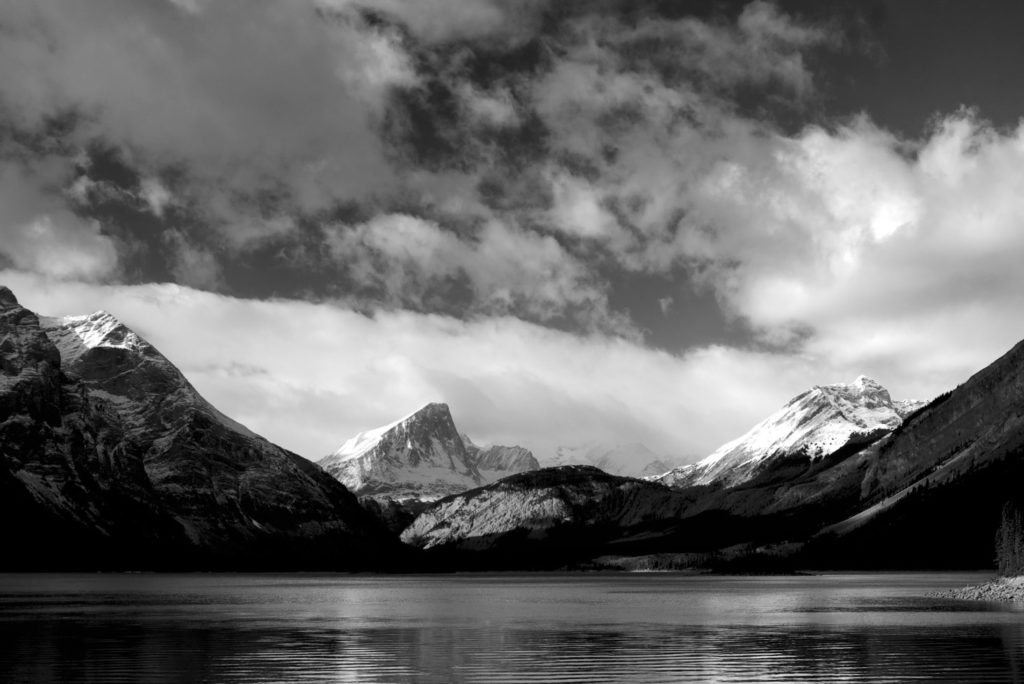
501, 628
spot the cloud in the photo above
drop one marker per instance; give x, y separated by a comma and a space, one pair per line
309, 376
576, 141
489, 160
192, 264
211, 89
189, 6
408, 260
447, 20
38, 233
156, 196
646, 111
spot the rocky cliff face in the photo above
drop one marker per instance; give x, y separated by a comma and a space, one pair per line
105, 441
422, 457
814, 424
70, 483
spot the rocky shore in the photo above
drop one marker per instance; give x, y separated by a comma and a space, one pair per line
1002, 589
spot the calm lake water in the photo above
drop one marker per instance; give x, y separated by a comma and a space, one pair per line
501, 628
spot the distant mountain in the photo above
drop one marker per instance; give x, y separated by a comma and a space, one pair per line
627, 460
495, 462
110, 458
422, 456
813, 424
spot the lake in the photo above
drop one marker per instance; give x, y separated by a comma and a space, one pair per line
501, 628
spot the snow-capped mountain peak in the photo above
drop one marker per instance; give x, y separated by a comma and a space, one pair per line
124, 370
365, 441
92, 331
815, 423
421, 456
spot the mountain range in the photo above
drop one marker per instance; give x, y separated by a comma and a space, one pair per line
112, 460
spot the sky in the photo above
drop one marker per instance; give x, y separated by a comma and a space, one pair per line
608, 221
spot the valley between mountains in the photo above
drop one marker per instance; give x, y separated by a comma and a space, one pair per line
113, 461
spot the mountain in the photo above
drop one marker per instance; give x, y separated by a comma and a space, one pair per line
421, 457
627, 460
932, 492
543, 518
495, 462
783, 493
112, 459
813, 424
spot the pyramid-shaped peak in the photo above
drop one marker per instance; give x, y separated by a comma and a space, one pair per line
430, 413
427, 419
431, 418
7, 298
433, 409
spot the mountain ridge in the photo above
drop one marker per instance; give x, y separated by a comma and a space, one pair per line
816, 422
108, 446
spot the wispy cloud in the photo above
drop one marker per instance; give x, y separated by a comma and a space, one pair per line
311, 375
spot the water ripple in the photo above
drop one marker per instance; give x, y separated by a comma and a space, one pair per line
219, 629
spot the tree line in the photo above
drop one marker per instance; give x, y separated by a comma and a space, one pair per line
1010, 541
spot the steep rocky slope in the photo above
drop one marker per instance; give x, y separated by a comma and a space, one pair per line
934, 488
107, 446
71, 486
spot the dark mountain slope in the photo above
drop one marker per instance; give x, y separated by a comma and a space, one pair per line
110, 458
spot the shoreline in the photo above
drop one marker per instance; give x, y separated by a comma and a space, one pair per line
1002, 589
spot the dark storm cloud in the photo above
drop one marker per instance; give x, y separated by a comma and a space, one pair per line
213, 156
